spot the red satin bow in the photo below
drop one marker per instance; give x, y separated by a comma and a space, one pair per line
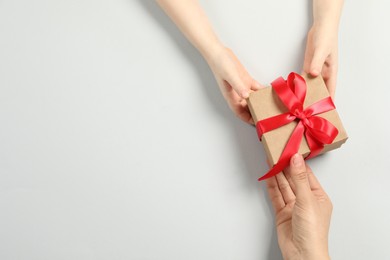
318, 131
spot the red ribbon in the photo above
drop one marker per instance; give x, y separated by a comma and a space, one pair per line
317, 130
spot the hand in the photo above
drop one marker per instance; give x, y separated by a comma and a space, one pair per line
321, 55
303, 211
234, 81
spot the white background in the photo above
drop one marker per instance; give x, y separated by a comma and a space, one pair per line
115, 142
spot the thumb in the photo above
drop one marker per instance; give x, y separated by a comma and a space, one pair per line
299, 176
239, 86
256, 85
317, 63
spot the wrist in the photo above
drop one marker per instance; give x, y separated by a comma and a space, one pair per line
211, 50
328, 27
324, 33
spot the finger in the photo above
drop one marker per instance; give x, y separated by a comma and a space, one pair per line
313, 181
238, 85
308, 58
237, 104
299, 177
245, 115
285, 188
317, 62
331, 85
275, 195
241, 110
330, 77
287, 174
256, 85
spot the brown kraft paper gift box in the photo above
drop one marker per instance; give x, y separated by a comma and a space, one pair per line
265, 103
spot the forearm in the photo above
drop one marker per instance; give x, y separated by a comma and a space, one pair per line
327, 13
194, 24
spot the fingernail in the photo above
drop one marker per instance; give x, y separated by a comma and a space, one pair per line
297, 160
245, 94
314, 72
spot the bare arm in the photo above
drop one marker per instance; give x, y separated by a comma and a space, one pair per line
233, 79
327, 12
321, 56
194, 24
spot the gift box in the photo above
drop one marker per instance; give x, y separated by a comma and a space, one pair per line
295, 115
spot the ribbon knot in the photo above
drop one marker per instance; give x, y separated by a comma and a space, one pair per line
317, 130
299, 114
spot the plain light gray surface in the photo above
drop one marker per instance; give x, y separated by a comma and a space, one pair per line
115, 142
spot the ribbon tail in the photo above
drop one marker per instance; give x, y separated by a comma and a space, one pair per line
290, 149
275, 170
315, 146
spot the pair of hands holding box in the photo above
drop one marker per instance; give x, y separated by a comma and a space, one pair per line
302, 208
